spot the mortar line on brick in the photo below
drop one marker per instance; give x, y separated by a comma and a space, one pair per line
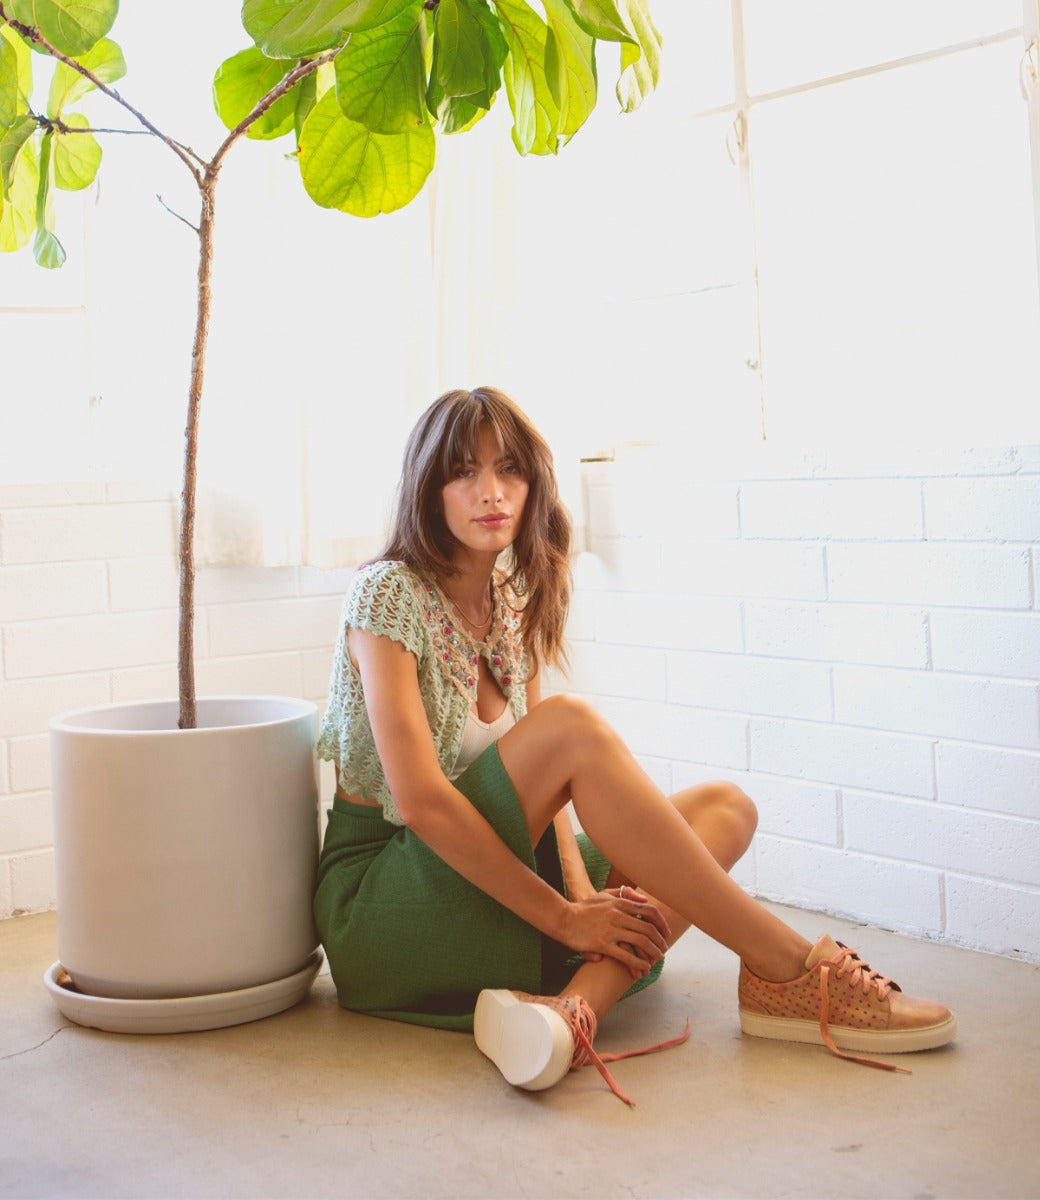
929, 660
935, 772
1003, 881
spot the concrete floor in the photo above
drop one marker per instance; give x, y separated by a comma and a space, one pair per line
319, 1102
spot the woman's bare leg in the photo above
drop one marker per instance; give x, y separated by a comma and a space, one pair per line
564, 749
724, 819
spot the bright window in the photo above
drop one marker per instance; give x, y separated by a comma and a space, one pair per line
855, 264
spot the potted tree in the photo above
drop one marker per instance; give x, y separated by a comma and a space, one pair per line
194, 911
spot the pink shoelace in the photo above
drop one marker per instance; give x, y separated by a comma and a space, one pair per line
844, 963
582, 1020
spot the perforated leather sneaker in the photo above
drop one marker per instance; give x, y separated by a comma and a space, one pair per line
844, 1005
535, 1040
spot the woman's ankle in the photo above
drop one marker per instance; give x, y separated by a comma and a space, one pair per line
780, 963
601, 985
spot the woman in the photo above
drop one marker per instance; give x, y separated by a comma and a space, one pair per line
452, 890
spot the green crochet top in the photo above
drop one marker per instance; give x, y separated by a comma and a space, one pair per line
393, 600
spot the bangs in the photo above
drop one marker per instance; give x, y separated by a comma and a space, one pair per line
478, 412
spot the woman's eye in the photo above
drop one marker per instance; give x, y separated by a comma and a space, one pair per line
511, 468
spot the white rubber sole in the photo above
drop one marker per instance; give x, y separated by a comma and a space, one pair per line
869, 1041
529, 1043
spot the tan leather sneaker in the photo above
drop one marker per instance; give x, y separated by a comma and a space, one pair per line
844, 1005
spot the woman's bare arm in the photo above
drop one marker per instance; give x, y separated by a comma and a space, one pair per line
449, 824
427, 802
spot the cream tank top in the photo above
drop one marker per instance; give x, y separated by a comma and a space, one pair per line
478, 735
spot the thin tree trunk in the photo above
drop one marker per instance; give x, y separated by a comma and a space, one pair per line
188, 718
205, 176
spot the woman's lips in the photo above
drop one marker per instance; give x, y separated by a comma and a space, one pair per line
494, 520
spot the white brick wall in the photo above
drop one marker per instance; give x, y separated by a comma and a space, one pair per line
855, 644
857, 647
88, 593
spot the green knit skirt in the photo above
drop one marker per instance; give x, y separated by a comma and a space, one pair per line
409, 938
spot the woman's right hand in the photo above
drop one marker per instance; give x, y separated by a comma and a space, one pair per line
620, 923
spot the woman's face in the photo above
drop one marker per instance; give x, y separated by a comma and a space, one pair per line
483, 502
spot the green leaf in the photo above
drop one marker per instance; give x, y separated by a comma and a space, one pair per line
640, 68
21, 173
19, 216
603, 19
12, 146
570, 67
306, 98
47, 250
311, 89
295, 28
324, 79
536, 115
77, 156
460, 114
628, 22
15, 76
381, 75
105, 60
9, 105
44, 179
468, 52
346, 166
71, 26
242, 81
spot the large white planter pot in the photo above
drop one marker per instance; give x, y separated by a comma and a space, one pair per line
185, 859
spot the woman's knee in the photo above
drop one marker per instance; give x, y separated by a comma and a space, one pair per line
573, 719
741, 808
724, 804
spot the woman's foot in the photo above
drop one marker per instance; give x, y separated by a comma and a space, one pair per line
527, 1037
841, 1003
535, 1040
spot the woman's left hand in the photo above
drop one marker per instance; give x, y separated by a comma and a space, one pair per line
627, 892
620, 923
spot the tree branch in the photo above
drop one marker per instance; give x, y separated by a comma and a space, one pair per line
61, 127
281, 89
29, 33
176, 214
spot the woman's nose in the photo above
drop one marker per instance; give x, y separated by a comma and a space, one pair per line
492, 486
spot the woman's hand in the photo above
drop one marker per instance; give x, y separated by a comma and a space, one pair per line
620, 923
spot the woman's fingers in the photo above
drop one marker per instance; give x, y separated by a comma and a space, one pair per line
623, 924
639, 905
652, 920
636, 964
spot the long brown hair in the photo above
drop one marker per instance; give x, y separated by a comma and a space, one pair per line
538, 571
